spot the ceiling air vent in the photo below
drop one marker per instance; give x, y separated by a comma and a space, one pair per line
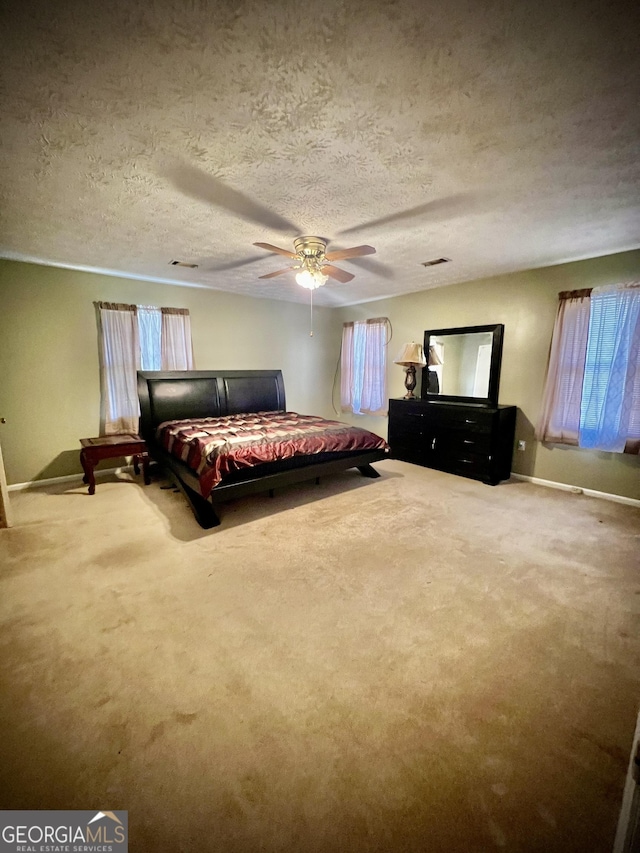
435, 262
183, 264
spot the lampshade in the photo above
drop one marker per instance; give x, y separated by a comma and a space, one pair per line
311, 279
434, 358
412, 355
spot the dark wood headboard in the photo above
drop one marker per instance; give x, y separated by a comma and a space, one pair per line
167, 395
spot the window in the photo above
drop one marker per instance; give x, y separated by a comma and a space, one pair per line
592, 393
134, 337
363, 385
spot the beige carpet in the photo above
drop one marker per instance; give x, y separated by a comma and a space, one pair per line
416, 663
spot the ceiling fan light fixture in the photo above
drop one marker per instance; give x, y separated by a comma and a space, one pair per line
311, 279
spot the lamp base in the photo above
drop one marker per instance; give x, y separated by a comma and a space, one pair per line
410, 382
433, 385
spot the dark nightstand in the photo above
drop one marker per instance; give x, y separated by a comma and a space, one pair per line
109, 447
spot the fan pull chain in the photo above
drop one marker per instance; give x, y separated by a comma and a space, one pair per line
311, 319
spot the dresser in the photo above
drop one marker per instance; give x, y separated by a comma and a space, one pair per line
471, 440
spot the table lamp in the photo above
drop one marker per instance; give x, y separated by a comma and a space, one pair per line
412, 356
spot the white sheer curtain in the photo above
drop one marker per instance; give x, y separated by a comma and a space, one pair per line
176, 348
363, 384
346, 368
610, 411
560, 416
150, 331
119, 361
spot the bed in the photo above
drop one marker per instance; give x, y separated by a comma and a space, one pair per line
177, 409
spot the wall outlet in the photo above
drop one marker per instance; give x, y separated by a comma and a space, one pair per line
522, 445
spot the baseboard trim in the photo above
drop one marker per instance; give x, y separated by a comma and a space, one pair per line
537, 481
69, 478
577, 490
628, 832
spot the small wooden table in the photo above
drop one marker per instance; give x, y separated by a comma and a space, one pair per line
108, 447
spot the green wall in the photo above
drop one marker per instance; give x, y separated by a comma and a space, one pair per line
526, 303
49, 385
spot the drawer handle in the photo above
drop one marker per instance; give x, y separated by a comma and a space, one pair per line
433, 444
467, 421
466, 461
468, 441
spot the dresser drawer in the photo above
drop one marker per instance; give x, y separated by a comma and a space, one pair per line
474, 421
476, 465
408, 421
464, 442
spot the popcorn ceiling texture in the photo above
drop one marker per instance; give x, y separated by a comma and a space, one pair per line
508, 133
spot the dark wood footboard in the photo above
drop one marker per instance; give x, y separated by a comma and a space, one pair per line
258, 480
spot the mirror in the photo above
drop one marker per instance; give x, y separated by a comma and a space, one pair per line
463, 364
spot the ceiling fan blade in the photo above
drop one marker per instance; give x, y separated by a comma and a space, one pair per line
355, 252
229, 265
277, 272
204, 187
374, 267
276, 249
450, 206
337, 273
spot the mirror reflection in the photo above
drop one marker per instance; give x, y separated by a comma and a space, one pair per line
459, 365
463, 364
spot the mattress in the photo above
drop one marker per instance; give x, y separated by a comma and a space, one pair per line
214, 448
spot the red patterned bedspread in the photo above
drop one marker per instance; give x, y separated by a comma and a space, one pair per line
214, 447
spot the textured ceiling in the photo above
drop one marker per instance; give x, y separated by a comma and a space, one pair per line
501, 134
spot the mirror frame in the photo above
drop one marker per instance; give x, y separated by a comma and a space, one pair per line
491, 399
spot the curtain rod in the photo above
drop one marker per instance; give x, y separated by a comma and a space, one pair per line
575, 294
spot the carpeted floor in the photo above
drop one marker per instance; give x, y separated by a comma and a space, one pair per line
415, 663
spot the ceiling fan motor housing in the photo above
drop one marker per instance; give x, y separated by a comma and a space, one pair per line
310, 247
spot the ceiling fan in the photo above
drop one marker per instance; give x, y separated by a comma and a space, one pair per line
199, 184
314, 263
